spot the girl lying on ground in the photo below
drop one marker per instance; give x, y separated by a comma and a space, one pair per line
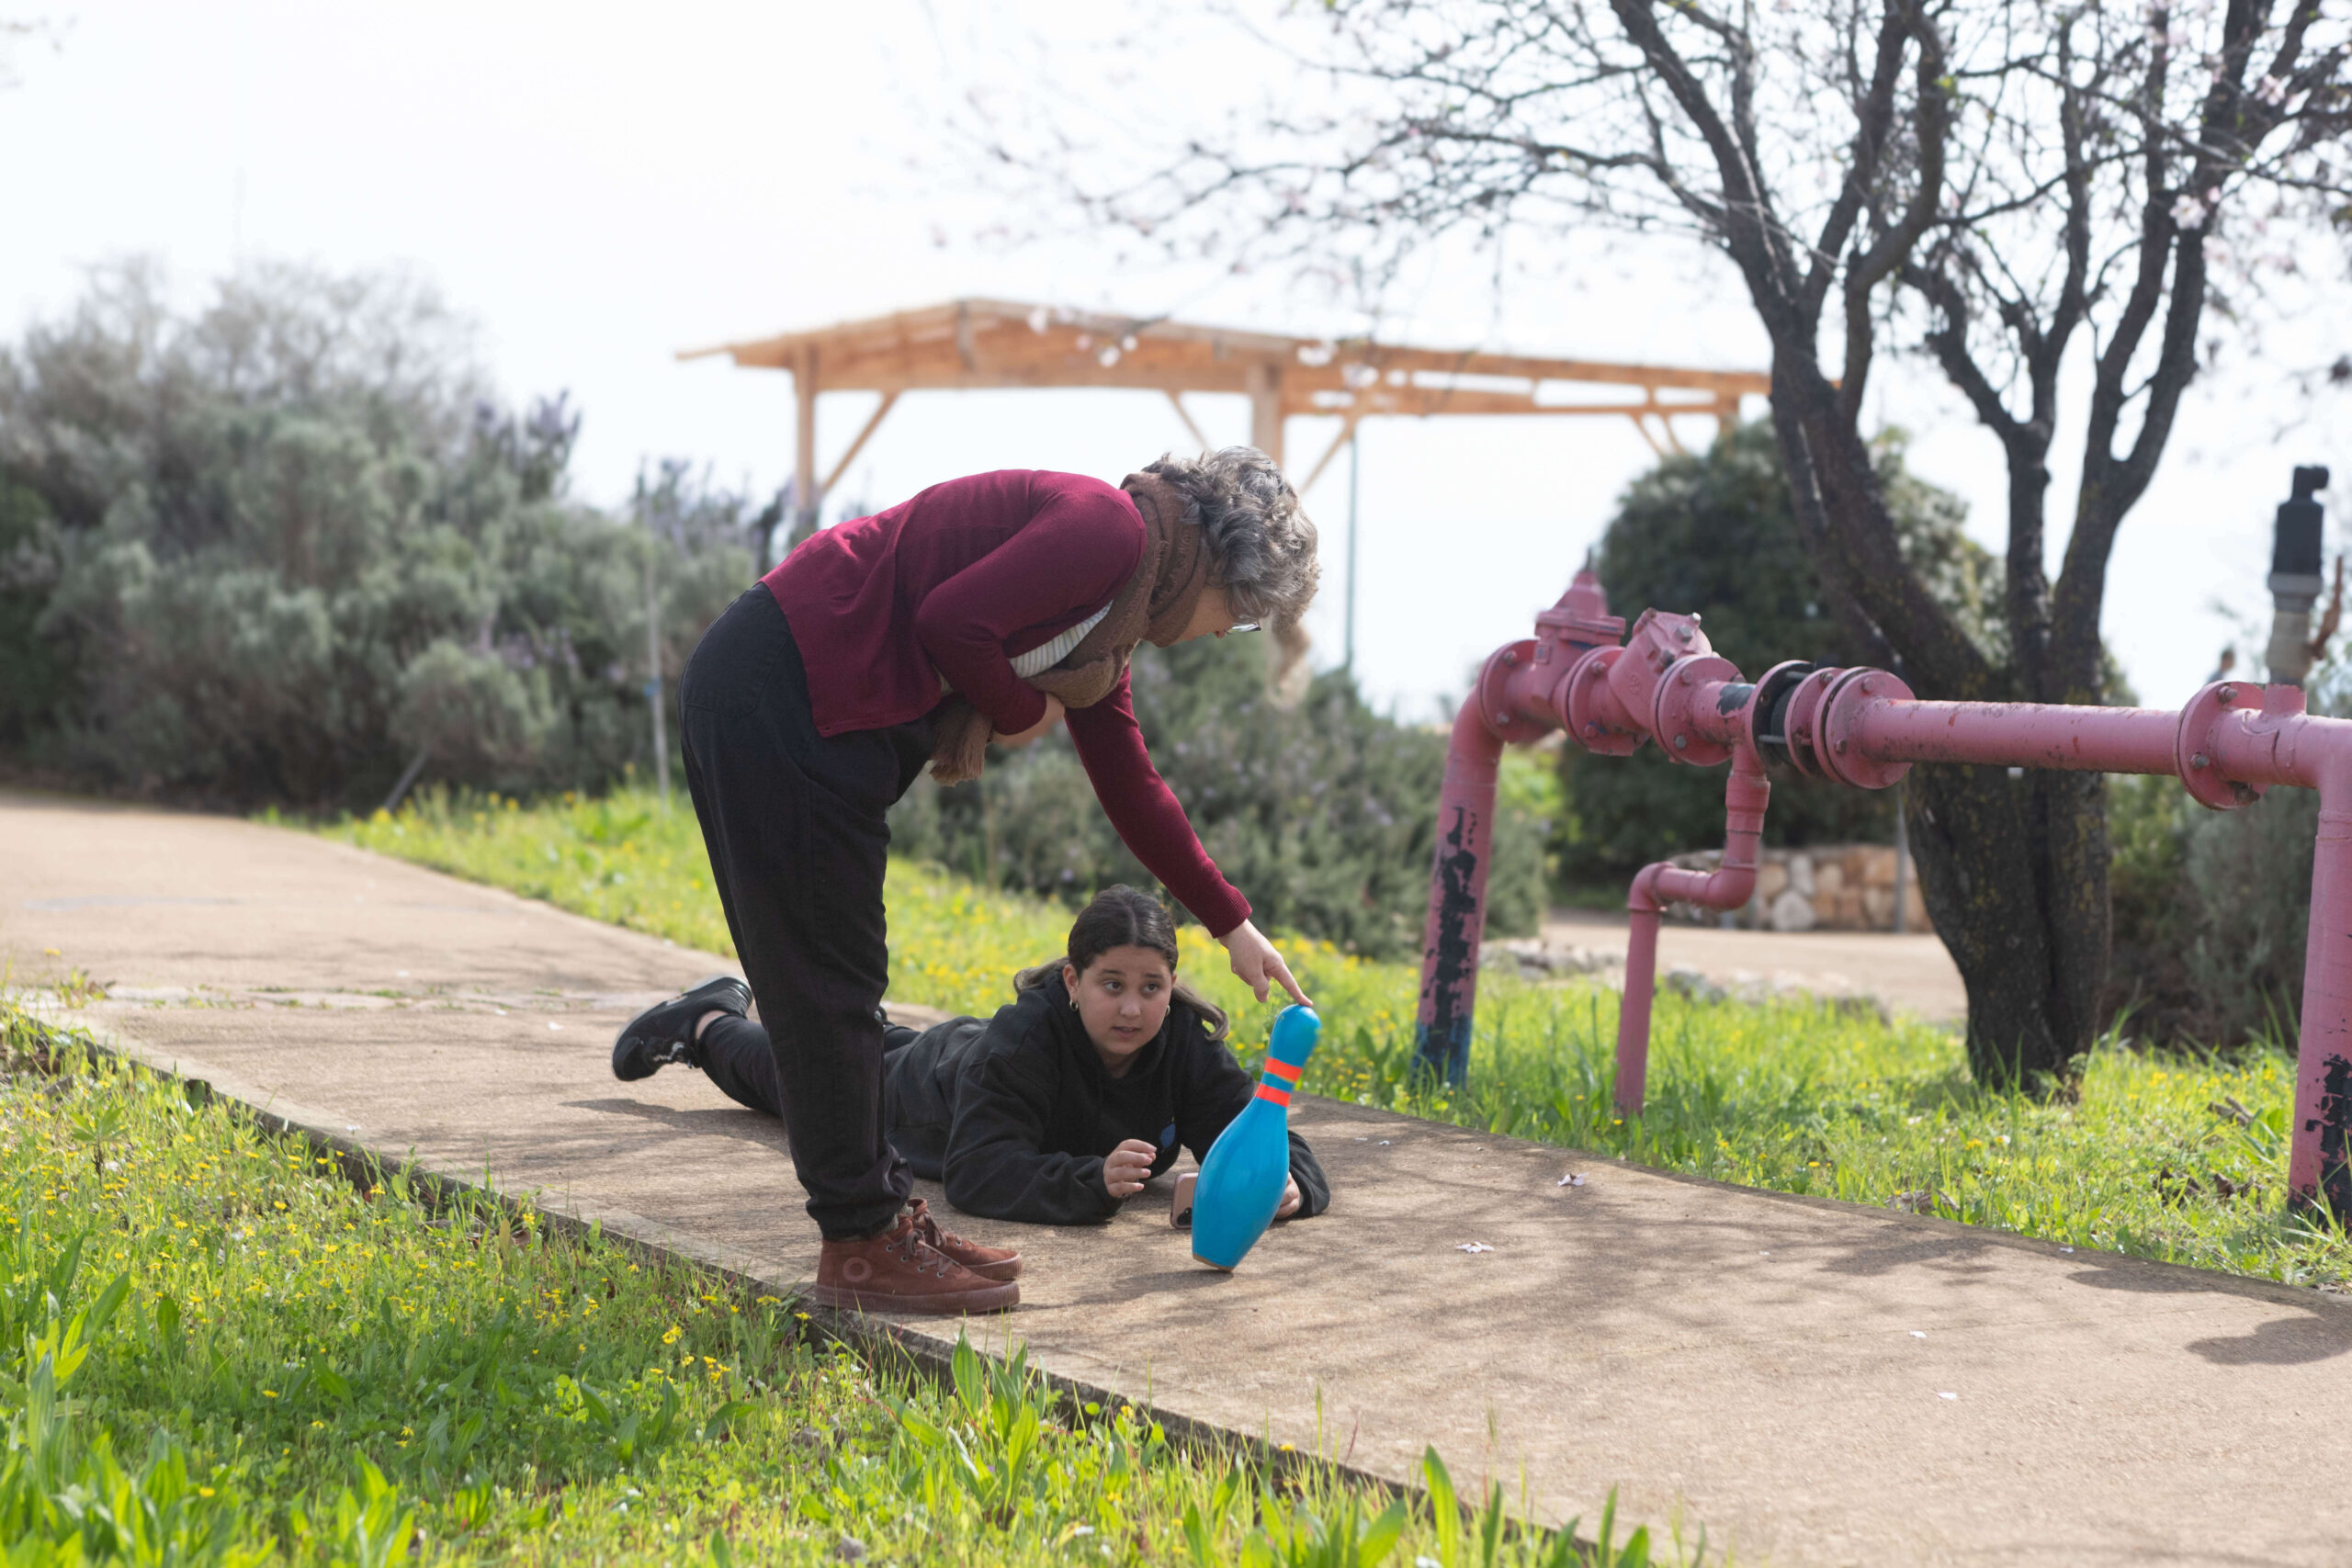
1057, 1109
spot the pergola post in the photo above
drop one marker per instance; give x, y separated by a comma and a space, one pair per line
873, 422
1265, 384
1347, 423
807, 494
1177, 398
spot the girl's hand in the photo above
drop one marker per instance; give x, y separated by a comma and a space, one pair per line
1291, 1199
1258, 965
1127, 1167
1053, 716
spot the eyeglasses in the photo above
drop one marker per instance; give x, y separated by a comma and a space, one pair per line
1244, 626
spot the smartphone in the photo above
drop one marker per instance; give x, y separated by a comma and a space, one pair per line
1180, 1211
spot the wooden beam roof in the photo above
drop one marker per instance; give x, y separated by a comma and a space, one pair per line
976, 344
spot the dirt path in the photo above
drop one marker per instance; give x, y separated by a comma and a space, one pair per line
1910, 973
1812, 1382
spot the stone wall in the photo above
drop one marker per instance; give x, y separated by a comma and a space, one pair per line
1844, 887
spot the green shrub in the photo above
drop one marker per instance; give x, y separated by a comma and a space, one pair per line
267, 551
2210, 911
1713, 533
33, 675
2211, 908
1324, 815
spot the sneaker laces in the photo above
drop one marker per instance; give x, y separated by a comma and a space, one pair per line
910, 1245
932, 1231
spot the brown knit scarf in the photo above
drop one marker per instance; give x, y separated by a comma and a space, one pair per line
1156, 602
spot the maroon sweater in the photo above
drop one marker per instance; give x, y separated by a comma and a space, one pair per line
954, 584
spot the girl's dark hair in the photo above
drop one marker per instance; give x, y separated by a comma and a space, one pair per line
1123, 917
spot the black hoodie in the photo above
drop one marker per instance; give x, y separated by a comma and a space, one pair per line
1016, 1113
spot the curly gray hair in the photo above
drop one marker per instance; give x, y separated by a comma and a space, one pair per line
1261, 546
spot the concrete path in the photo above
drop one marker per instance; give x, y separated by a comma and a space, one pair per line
1910, 972
1810, 1382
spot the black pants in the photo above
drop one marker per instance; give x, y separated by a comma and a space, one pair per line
741, 1059
794, 826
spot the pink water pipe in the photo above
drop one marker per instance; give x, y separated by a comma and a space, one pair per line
1863, 727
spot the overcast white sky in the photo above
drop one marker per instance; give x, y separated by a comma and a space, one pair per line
597, 187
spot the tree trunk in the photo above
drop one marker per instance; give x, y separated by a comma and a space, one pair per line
2014, 873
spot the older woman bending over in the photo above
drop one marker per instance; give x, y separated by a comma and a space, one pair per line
984, 610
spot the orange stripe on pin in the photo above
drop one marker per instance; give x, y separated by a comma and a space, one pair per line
1279, 1096
1287, 1071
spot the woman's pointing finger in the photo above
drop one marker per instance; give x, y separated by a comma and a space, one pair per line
1281, 972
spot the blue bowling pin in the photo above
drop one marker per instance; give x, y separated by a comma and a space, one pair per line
1241, 1182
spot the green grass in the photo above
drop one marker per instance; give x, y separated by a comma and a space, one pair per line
219, 1348
1789, 1095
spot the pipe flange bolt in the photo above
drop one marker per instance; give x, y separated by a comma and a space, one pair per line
1676, 719
1803, 732
1854, 693
2192, 746
1513, 661
1584, 707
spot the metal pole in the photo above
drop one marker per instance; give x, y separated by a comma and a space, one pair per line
1902, 863
653, 664
805, 496
407, 778
1349, 659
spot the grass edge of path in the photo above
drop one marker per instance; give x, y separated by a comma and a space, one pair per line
1484, 1527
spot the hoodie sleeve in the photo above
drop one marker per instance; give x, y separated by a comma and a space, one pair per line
1314, 1187
1212, 1091
997, 1163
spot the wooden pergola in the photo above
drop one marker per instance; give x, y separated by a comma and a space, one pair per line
974, 344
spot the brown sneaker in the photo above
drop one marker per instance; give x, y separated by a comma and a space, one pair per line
898, 1272
988, 1262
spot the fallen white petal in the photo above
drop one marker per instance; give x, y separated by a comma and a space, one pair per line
1941, 1395
555, 1026
1474, 1247
1571, 1179
1917, 1335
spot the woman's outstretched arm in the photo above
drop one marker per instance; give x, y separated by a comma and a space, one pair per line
1152, 822
1259, 966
